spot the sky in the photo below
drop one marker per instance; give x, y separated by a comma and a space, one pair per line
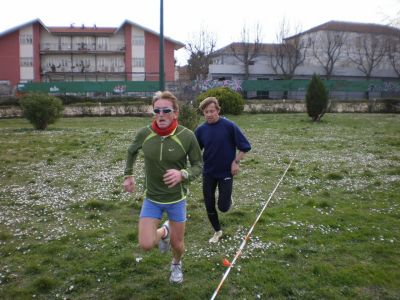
185, 19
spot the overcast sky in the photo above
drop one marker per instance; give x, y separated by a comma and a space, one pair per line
183, 19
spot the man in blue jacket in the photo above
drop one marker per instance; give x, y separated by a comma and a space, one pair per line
224, 146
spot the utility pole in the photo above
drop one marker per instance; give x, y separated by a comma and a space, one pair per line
161, 70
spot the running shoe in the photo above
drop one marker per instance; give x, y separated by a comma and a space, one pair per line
164, 242
217, 235
176, 273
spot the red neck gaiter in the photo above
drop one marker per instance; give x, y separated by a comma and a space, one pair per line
164, 131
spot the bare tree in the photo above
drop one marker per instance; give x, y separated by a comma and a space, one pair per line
248, 48
366, 53
201, 53
289, 52
395, 20
393, 50
327, 49
393, 54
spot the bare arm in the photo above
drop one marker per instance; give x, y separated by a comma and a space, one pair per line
236, 162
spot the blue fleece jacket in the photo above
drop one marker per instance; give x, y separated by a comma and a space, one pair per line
220, 142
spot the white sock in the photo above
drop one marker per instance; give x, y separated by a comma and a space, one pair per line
165, 232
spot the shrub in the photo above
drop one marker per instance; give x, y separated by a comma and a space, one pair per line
391, 105
316, 98
230, 101
188, 116
41, 109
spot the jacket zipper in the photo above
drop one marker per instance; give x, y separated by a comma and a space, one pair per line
161, 147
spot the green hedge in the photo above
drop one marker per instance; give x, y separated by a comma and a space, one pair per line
230, 101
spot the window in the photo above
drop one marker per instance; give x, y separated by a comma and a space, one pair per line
222, 78
217, 61
101, 63
358, 42
26, 39
26, 62
65, 62
86, 62
138, 62
138, 40
64, 43
102, 43
114, 62
263, 94
375, 42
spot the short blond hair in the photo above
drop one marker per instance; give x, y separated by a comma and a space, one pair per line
167, 96
209, 100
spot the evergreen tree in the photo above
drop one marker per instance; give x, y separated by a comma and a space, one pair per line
316, 98
188, 116
41, 109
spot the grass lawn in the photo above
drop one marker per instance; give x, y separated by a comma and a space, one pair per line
331, 231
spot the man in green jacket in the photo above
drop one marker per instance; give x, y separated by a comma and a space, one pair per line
167, 147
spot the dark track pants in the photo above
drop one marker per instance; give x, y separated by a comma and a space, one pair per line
210, 185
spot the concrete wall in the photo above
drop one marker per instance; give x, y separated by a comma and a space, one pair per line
292, 106
284, 106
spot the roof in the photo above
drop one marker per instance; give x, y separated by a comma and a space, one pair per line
11, 30
94, 30
177, 43
239, 48
352, 27
82, 30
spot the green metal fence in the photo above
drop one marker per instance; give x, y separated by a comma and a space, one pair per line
302, 84
115, 87
123, 87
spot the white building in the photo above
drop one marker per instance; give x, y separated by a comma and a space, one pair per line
354, 50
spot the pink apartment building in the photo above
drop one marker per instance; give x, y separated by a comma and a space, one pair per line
34, 52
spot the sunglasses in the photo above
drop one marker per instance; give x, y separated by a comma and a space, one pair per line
164, 110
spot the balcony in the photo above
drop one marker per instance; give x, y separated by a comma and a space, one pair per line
52, 69
79, 48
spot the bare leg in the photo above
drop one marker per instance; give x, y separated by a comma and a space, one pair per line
177, 239
149, 235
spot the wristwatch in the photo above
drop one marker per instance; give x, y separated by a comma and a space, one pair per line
237, 161
184, 174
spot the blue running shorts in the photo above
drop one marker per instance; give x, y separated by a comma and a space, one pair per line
176, 211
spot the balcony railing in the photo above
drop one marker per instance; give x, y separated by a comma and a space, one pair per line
80, 69
81, 47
